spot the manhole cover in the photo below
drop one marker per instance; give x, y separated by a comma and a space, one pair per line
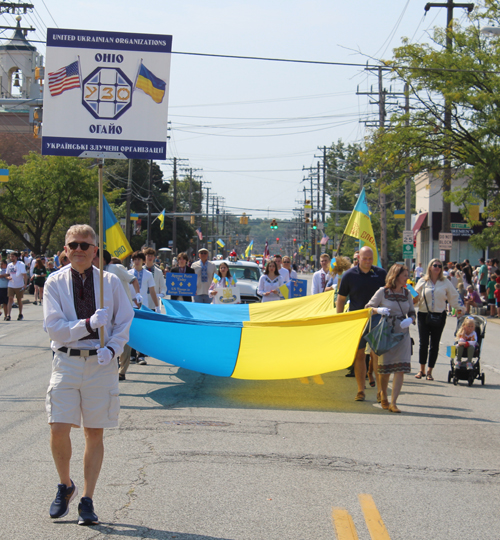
197, 423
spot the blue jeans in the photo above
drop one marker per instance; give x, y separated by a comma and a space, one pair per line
202, 299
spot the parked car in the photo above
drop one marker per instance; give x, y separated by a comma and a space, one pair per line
247, 274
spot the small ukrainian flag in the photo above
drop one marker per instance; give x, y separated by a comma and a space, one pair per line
150, 84
220, 243
161, 217
115, 240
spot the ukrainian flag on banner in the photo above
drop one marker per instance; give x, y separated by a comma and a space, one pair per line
220, 243
161, 217
360, 226
249, 249
114, 239
150, 84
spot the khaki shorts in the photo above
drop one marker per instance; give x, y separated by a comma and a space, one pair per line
18, 293
83, 392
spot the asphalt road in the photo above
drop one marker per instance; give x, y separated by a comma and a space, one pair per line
206, 458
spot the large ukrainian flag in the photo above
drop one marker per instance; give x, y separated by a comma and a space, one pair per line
150, 84
241, 340
360, 226
114, 239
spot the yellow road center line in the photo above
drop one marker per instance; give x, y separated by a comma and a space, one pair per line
344, 525
373, 518
318, 380
304, 380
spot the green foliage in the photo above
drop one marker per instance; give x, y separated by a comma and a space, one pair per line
467, 77
43, 193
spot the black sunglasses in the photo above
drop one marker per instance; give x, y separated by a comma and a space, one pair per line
437, 266
83, 245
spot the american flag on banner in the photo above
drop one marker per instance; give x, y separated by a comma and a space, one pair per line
198, 232
63, 79
324, 240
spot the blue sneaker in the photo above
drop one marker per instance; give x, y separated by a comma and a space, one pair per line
86, 514
60, 506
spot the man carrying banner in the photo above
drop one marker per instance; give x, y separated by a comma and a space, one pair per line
84, 382
360, 283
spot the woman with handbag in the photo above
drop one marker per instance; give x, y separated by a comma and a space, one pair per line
434, 290
394, 301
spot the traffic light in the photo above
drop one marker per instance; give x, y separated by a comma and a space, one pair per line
315, 226
243, 219
277, 240
294, 240
273, 225
37, 122
192, 219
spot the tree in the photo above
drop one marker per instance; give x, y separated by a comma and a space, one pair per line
466, 78
41, 193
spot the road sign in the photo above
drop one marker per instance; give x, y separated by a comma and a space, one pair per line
408, 237
445, 241
114, 88
408, 251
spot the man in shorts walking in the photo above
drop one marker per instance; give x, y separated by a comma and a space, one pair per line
18, 279
83, 386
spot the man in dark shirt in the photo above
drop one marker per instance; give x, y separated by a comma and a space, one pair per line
360, 283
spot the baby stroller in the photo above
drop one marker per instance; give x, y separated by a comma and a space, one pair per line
462, 372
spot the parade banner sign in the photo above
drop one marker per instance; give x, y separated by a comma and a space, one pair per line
227, 295
106, 93
299, 288
181, 284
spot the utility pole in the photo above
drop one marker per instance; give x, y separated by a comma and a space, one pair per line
446, 214
174, 218
150, 200
208, 222
408, 177
129, 199
381, 195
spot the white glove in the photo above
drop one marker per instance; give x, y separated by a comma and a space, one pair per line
158, 309
161, 295
99, 318
104, 356
405, 323
138, 298
383, 311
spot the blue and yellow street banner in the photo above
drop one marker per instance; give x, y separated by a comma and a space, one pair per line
360, 226
237, 345
134, 217
220, 243
161, 218
4, 175
181, 284
115, 240
399, 214
149, 83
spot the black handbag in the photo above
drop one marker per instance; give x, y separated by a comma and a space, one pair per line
434, 320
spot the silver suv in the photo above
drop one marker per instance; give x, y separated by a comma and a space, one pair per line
247, 274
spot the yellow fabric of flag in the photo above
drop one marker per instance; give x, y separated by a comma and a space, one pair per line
335, 338
360, 226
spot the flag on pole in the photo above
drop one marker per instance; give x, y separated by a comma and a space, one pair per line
220, 243
115, 240
249, 249
360, 226
265, 255
161, 217
65, 78
324, 240
198, 232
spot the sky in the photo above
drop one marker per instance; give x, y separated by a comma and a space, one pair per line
249, 128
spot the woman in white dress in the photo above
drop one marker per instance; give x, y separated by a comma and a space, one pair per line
222, 279
270, 283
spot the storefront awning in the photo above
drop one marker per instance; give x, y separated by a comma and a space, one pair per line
419, 223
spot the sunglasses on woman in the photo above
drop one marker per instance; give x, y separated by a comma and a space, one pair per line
436, 266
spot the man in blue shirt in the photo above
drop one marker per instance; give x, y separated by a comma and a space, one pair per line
360, 283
